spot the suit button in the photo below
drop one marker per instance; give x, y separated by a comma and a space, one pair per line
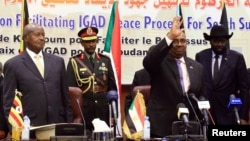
96, 101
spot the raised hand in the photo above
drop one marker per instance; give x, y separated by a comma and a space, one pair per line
175, 29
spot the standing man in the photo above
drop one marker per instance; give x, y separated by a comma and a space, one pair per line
3, 122
230, 77
167, 89
92, 72
44, 88
248, 71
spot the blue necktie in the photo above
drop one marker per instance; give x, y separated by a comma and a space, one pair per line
180, 74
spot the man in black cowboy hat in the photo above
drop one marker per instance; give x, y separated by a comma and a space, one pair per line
225, 74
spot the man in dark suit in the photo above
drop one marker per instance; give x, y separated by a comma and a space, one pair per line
92, 72
142, 77
3, 122
248, 71
230, 79
167, 90
45, 97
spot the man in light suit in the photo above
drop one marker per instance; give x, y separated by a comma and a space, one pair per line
45, 97
166, 88
231, 78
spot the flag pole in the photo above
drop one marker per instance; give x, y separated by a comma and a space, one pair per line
24, 21
113, 48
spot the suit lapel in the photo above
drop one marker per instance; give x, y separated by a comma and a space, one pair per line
191, 73
47, 64
208, 66
174, 69
224, 62
28, 62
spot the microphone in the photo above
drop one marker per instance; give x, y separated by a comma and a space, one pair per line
113, 97
235, 103
192, 95
192, 107
183, 113
204, 105
83, 120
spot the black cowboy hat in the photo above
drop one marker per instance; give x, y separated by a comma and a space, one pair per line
218, 31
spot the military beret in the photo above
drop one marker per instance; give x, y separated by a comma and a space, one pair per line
88, 33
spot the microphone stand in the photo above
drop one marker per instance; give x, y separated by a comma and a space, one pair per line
115, 120
186, 132
83, 120
192, 107
205, 130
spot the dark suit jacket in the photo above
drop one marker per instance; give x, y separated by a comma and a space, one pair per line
45, 100
248, 76
166, 92
232, 77
141, 77
3, 121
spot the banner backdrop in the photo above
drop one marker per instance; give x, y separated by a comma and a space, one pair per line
143, 23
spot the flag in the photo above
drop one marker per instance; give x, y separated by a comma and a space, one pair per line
24, 21
223, 19
16, 112
134, 120
112, 47
179, 12
113, 44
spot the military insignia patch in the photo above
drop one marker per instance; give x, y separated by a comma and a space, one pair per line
89, 31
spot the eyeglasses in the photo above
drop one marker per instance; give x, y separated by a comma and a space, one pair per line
182, 41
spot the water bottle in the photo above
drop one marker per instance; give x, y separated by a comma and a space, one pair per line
26, 130
146, 129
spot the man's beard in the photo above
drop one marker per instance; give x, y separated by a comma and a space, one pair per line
219, 52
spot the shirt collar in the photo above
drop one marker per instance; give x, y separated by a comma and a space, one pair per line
88, 55
182, 59
213, 55
32, 54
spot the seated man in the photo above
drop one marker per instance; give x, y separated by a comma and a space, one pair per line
141, 78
